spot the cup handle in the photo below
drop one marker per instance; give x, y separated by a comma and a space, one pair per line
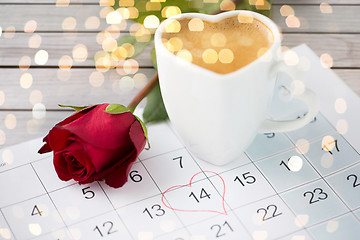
307, 96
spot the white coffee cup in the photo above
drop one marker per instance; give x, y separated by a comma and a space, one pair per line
218, 115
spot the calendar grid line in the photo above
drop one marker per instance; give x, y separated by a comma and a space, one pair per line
154, 156
7, 223
161, 193
277, 194
19, 166
52, 201
313, 198
121, 220
217, 190
336, 193
321, 176
24, 164
326, 220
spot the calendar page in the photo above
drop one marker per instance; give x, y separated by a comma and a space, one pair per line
298, 185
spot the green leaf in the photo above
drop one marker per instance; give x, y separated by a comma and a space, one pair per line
116, 109
145, 131
154, 110
138, 46
153, 57
77, 108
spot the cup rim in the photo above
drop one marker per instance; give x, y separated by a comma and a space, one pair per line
159, 46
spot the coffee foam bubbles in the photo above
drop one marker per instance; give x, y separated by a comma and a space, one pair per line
222, 47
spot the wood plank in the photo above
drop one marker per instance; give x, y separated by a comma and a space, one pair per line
63, 2
50, 18
77, 90
342, 19
26, 127
351, 77
336, 2
303, 2
56, 45
344, 48
79, 87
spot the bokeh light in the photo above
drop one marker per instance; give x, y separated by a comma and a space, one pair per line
151, 21
26, 80
340, 105
39, 111
292, 21
69, 23
9, 32
196, 25
170, 11
41, 57
96, 79
80, 53
10, 121
218, 40
24, 62
342, 126
113, 17
185, 55
302, 146
325, 8
65, 62
35, 97
328, 143
173, 27
35, 41
30, 26
287, 10
140, 80
332, 226
35, 229
295, 163
92, 22
62, 3
106, 2
326, 60
210, 56
126, 83
227, 5
226, 56
109, 44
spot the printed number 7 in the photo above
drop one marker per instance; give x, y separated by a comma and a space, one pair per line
180, 160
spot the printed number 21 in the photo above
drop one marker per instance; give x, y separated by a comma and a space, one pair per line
220, 230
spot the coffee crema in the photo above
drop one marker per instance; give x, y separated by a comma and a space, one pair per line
222, 47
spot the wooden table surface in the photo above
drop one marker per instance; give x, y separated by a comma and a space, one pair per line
39, 38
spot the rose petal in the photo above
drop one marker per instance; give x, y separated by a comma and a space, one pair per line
119, 175
61, 167
76, 115
58, 138
137, 136
102, 129
46, 147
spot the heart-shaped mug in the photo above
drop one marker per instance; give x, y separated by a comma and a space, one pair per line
218, 114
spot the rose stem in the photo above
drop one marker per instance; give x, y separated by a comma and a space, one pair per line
144, 92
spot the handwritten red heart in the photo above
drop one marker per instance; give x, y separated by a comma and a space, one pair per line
190, 185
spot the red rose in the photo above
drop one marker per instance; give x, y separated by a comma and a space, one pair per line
93, 145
